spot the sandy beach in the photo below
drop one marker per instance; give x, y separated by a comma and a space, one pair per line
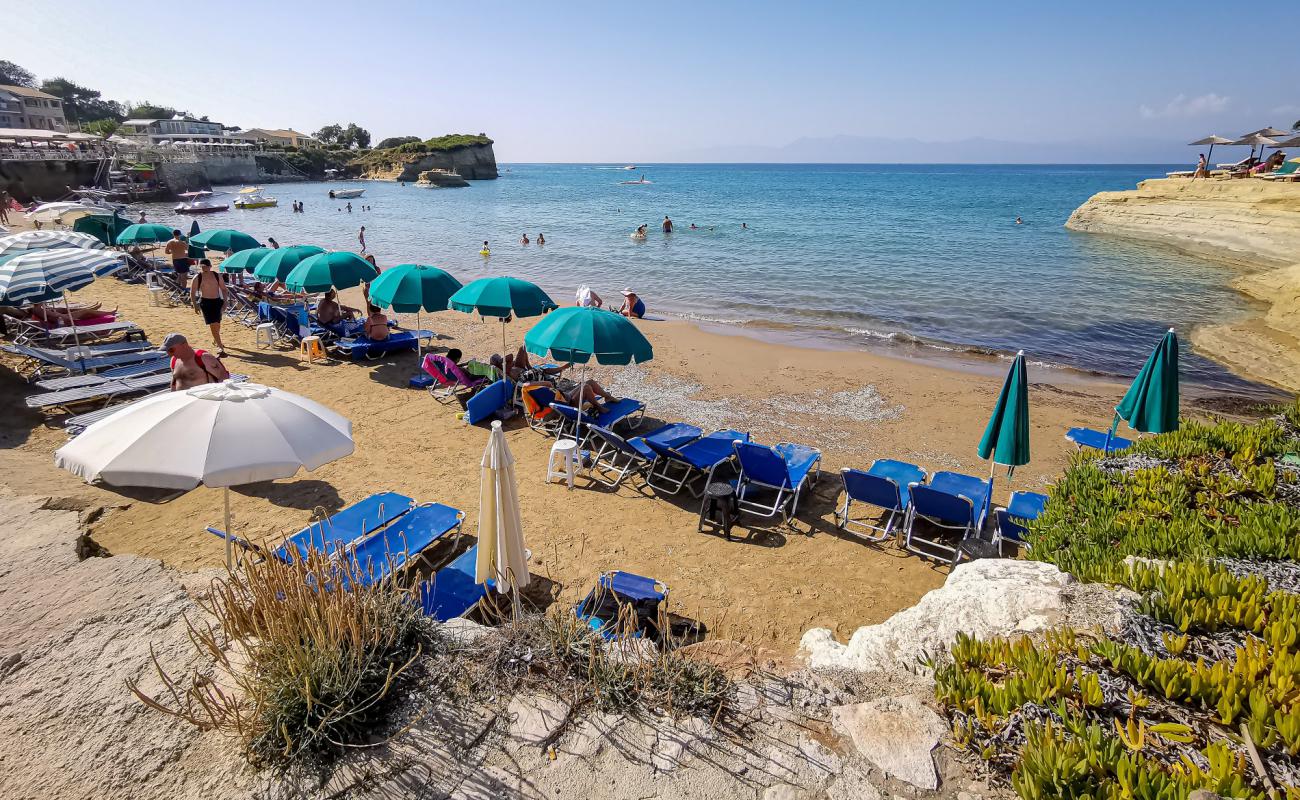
767, 586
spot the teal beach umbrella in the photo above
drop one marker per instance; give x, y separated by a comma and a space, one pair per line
579, 334
408, 288
277, 264
144, 233
1006, 438
502, 298
323, 271
244, 260
225, 239
1151, 404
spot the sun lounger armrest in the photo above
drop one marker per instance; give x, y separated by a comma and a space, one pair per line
235, 540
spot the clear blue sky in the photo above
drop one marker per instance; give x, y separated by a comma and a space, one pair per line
602, 81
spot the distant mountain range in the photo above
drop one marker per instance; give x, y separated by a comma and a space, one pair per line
883, 150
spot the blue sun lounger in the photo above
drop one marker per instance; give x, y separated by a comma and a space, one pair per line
621, 457
1023, 507
347, 526
884, 485
452, 592
603, 605
695, 461
491, 399
382, 553
360, 347
614, 414
1096, 440
62, 363
772, 478
951, 501
129, 371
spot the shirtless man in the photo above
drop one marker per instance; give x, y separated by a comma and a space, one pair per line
178, 250
191, 367
208, 294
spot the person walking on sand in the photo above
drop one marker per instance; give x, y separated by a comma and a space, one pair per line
1202, 168
361, 237
668, 224
208, 294
179, 252
191, 367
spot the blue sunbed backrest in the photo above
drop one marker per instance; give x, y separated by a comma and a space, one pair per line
873, 489
761, 463
452, 591
489, 401
634, 586
614, 439
941, 506
1023, 506
406, 538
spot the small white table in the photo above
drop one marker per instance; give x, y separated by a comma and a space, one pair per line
563, 462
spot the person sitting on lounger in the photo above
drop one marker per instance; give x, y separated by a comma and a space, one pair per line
518, 363
329, 310
191, 367
56, 317
376, 329
633, 306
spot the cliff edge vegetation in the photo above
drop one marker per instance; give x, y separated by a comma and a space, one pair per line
469, 156
1249, 223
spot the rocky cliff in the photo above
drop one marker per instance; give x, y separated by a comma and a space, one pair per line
1250, 223
475, 162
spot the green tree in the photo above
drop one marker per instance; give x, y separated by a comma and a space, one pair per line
330, 134
81, 104
147, 110
102, 127
356, 136
395, 141
13, 75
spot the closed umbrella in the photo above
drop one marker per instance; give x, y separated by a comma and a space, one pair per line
225, 240
28, 241
1151, 403
580, 333
277, 264
503, 298
408, 288
244, 260
323, 271
194, 250
501, 555
220, 434
144, 233
1006, 437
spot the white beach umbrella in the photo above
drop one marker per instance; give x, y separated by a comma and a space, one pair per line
47, 240
219, 434
63, 269
48, 212
501, 555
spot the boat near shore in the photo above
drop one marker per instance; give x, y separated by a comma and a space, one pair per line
200, 203
345, 194
252, 197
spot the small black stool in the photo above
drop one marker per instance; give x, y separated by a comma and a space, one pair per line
720, 503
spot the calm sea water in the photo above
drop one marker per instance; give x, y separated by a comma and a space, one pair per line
919, 256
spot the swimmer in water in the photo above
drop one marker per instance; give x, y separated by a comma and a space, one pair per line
744, 226
486, 250
541, 238
1019, 221
693, 227
524, 239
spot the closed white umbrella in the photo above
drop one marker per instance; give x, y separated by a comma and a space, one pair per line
48, 212
220, 434
47, 240
501, 555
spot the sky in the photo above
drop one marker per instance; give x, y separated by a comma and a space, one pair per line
711, 81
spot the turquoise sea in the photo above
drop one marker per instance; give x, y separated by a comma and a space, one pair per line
925, 258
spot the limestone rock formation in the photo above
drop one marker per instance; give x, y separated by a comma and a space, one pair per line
441, 179
896, 734
473, 162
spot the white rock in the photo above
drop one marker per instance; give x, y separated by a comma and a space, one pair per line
852, 785
983, 598
896, 734
784, 791
671, 743
535, 718
464, 631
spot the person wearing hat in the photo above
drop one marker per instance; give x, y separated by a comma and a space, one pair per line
191, 367
633, 306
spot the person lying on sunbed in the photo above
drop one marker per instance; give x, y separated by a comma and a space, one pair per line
57, 317
517, 363
329, 310
588, 396
376, 328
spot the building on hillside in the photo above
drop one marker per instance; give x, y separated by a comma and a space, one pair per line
177, 130
286, 137
21, 107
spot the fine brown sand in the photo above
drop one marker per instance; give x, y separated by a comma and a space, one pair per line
766, 587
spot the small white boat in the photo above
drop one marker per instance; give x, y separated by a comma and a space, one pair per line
629, 167
345, 194
635, 183
200, 203
252, 197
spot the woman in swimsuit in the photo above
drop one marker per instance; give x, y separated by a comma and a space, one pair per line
208, 294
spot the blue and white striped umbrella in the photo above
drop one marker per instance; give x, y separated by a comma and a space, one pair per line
41, 272
46, 240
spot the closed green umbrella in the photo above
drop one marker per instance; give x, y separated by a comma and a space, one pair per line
225, 240
408, 288
338, 270
502, 298
144, 233
244, 260
277, 264
579, 334
1006, 438
1151, 404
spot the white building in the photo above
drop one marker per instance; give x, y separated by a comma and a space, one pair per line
177, 130
21, 107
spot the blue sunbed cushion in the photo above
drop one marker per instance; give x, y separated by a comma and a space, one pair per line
361, 347
452, 592
489, 401
709, 451
1026, 505
634, 587
1096, 440
410, 535
674, 434
346, 526
799, 460
901, 473
954, 484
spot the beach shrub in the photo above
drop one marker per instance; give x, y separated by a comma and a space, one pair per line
300, 672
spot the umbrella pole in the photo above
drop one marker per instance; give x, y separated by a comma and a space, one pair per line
229, 532
988, 506
417, 337
76, 340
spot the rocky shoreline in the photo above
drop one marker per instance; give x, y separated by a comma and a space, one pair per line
1251, 224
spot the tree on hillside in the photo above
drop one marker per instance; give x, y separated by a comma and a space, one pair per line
81, 104
147, 110
356, 136
396, 141
13, 75
102, 127
330, 134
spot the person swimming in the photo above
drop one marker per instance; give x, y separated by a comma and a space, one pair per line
1019, 221
524, 239
486, 251
541, 238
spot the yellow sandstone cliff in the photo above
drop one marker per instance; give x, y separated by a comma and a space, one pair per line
1250, 223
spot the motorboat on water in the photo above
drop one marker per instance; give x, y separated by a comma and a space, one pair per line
345, 194
629, 167
200, 203
635, 183
252, 197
